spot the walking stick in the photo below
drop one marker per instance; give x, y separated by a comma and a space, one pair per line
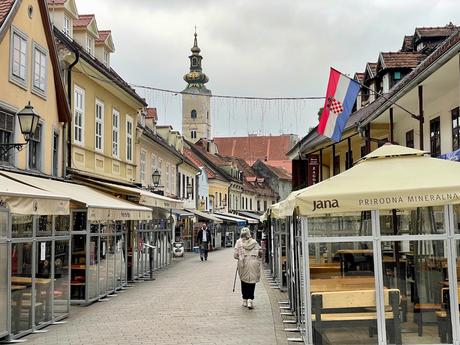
234, 280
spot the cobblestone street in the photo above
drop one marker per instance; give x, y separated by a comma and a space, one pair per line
190, 303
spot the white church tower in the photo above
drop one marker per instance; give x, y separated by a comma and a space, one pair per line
196, 100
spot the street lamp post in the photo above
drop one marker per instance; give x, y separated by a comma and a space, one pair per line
156, 176
28, 121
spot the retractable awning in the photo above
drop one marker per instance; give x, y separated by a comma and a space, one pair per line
146, 198
20, 198
205, 215
232, 218
101, 206
248, 219
252, 215
181, 214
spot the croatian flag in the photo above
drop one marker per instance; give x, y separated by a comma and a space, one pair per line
340, 98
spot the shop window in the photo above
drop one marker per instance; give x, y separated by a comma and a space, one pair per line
410, 138
35, 149
45, 226
435, 136
455, 129
6, 134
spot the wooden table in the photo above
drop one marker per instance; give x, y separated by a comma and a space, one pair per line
342, 284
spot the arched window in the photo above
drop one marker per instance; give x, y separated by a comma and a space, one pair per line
194, 62
193, 114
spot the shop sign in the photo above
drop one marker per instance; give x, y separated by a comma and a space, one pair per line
313, 170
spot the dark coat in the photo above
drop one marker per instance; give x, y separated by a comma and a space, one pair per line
199, 237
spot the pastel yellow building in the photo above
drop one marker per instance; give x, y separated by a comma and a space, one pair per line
105, 108
29, 72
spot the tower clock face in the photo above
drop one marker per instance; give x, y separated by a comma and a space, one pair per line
194, 75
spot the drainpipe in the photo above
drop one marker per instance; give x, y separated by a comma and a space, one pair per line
69, 95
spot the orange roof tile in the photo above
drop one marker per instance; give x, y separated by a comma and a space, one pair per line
401, 59
152, 114
103, 34
5, 7
83, 20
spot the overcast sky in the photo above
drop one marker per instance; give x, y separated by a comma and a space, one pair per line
256, 48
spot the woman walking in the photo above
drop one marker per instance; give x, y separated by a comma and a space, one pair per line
248, 253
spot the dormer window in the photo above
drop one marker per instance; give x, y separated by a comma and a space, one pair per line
90, 45
68, 30
397, 75
106, 58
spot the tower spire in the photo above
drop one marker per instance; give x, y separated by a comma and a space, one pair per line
196, 78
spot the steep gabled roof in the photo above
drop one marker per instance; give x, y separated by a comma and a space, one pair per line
408, 43
8, 10
392, 60
5, 8
359, 76
105, 38
435, 32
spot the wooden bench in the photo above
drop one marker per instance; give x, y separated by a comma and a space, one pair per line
324, 270
348, 309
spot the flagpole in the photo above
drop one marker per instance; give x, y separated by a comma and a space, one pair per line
417, 117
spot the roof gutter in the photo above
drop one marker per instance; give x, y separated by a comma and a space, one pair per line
413, 83
69, 95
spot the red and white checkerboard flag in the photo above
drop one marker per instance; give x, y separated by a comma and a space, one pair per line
340, 98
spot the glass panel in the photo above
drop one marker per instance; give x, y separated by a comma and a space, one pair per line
457, 219
3, 224
102, 265
417, 272
417, 221
61, 278
21, 287
21, 226
61, 225
350, 224
78, 221
110, 263
3, 287
343, 298
92, 283
43, 290
78, 267
119, 261
45, 226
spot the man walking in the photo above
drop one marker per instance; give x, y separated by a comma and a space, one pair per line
203, 239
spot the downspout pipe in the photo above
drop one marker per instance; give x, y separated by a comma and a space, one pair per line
69, 95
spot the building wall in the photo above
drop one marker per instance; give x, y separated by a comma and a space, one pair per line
13, 98
85, 157
217, 186
190, 173
202, 123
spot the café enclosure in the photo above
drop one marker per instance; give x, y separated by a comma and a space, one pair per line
371, 255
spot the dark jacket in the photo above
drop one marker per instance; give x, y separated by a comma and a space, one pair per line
199, 237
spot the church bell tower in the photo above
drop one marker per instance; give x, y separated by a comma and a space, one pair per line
196, 100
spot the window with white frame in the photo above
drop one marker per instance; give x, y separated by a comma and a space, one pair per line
35, 146
142, 166
168, 181
129, 138
68, 30
115, 133
90, 45
99, 139
79, 115
171, 177
39, 69
160, 168
106, 58
18, 56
